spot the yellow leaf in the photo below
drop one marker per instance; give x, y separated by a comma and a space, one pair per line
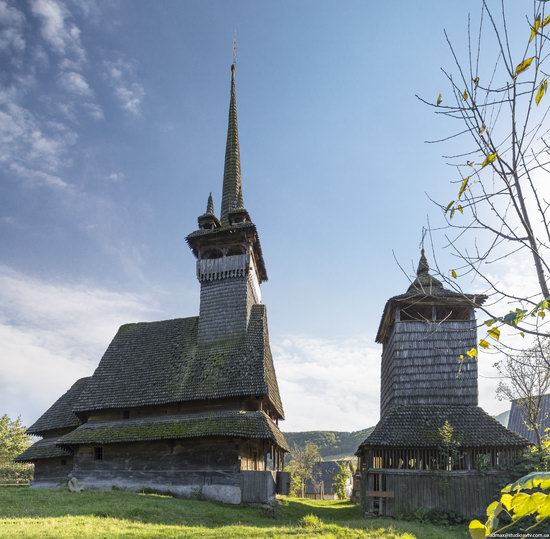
449, 206
494, 333
477, 530
541, 91
523, 66
546, 21
489, 322
463, 186
506, 500
465, 95
453, 273
472, 352
489, 159
522, 334
476, 81
460, 208
484, 344
439, 100
461, 356
534, 28
544, 509
541, 314
482, 130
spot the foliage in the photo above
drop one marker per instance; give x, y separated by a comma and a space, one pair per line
340, 480
303, 464
37, 513
331, 444
13, 441
295, 481
13, 438
500, 156
526, 380
434, 516
311, 521
524, 507
535, 458
448, 447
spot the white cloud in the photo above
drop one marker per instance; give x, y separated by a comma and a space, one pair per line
12, 22
328, 384
76, 83
52, 334
58, 30
129, 92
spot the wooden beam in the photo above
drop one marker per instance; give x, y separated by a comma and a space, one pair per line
380, 493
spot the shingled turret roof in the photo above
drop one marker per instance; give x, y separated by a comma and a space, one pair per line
232, 167
60, 414
418, 426
425, 288
161, 362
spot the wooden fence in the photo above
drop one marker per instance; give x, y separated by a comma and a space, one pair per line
389, 492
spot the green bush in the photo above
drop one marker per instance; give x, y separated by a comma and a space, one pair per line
15, 472
433, 516
311, 521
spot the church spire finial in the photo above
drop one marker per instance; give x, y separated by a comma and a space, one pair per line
232, 167
210, 205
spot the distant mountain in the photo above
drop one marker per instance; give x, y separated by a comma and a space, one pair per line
503, 418
332, 444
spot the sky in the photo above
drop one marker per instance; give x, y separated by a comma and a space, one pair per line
113, 120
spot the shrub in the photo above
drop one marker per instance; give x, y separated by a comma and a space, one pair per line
524, 507
311, 521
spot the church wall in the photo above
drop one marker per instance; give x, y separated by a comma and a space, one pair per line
208, 468
171, 409
51, 472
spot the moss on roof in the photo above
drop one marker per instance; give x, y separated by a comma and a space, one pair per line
238, 424
418, 426
43, 449
161, 362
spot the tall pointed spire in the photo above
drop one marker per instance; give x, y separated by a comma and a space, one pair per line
232, 167
210, 205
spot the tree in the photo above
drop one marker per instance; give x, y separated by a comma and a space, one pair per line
303, 464
526, 380
13, 441
500, 157
340, 480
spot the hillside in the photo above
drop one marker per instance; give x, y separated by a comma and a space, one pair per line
332, 444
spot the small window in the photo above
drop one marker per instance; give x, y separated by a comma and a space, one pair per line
126, 414
98, 453
63, 462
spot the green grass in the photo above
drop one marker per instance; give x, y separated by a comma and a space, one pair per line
26, 512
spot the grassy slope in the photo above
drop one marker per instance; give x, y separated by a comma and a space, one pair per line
27, 512
332, 444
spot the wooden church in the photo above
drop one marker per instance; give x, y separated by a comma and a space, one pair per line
433, 447
189, 406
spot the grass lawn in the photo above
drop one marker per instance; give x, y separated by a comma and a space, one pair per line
26, 512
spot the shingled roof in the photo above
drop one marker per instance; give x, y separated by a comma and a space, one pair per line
43, 449
418, 426
161, 362
425, 288
238, 424
60, 414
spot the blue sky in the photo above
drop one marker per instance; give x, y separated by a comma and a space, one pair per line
112, 132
